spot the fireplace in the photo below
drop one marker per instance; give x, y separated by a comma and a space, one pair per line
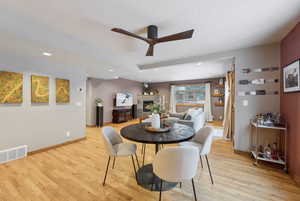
144, 101
145, 104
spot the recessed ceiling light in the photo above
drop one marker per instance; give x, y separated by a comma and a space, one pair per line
48, 54
117, 77
199, 63
111, 70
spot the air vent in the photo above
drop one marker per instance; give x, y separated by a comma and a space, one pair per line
13, 154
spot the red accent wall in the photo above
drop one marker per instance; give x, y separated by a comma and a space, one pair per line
290, 103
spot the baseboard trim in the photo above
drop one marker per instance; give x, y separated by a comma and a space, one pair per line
55, 146
241, 152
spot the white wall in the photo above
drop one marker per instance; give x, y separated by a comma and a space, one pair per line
42, 125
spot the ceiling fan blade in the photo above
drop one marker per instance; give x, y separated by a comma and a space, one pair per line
150, 50
179, 36
122, 31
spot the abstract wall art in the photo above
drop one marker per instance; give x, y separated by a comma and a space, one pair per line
39, 89
62, 91
11, 87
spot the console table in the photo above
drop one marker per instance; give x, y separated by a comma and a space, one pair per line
121, 115
255, 143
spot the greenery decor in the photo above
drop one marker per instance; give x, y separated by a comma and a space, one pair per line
98, 101
154, 108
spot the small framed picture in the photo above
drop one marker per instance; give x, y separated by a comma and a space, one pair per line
291, 77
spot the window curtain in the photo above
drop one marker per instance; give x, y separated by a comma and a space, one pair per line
207, 105
229, 107
173, 99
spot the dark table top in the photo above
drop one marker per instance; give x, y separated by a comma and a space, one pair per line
137, 133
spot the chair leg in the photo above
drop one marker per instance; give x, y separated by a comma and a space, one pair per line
195, 196
201, 161
144, 153
212, 181
142, 150
114, 162
180, 184
106, 171
161, 184
134, 167
137, 161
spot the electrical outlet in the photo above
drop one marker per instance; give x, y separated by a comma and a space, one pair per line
68, 133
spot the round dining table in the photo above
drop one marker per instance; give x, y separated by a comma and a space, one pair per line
137, 133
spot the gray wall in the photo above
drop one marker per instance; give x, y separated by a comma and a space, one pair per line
42, 125
256, 57
106, 90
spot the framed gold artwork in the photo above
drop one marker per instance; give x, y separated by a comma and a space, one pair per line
39, 89
62, 90
11, 87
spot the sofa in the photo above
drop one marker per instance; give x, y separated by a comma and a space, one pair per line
193, 117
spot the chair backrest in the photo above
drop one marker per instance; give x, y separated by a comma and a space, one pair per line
199, 121
176, 164
111, 138
205, 137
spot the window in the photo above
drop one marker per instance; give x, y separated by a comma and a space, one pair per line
190, 94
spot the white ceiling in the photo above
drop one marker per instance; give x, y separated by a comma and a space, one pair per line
78, 32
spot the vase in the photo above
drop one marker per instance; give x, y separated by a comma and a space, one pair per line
155, 121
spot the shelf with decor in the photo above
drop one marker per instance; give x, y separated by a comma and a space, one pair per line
217, 95
220, 86
219, 104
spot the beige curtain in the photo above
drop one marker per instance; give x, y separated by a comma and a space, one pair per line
173, 99
207, 105
229, 107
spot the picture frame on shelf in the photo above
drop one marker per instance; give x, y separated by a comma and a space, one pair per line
291, 77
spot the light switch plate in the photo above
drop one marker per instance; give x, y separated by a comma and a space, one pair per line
245, 103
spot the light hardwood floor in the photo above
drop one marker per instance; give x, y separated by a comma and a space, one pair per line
75, 172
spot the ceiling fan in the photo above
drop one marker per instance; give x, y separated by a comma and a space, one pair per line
152, 37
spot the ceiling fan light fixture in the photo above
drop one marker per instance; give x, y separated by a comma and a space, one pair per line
152, 38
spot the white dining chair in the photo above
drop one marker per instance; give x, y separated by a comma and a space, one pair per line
176, 164
115, 147
203, 141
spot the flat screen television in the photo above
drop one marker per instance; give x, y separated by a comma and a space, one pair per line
124, 99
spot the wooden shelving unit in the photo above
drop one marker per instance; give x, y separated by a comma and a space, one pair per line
219, 104
220, 86
217, 95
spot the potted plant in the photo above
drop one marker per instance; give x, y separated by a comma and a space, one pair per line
154, 108
99, 102
155, 118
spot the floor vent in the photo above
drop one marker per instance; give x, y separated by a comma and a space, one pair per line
13, 154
